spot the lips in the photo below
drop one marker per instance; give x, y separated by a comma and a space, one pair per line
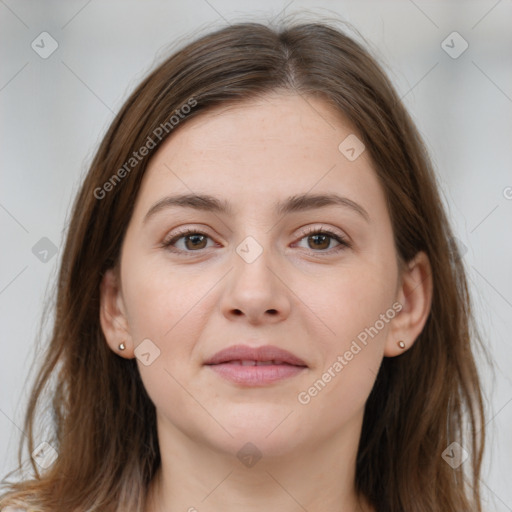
261, 356
252, 367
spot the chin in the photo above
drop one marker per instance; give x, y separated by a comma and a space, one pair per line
254, 444
267, 427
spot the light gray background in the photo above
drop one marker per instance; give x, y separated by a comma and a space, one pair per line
55, 111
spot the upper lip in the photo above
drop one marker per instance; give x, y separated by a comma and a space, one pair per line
246, 353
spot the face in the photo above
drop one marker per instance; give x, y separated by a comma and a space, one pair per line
317, 279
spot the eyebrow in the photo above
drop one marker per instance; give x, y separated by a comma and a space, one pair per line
296, 203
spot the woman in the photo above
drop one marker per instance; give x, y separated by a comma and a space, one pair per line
260, 306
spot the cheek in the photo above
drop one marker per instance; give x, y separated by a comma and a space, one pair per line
353, 300
160, 300
358, 310
170, 309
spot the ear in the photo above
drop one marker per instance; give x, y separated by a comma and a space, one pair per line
113, 319
415, 295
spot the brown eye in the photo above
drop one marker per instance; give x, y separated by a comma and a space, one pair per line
193, 241
196, 241
319, 241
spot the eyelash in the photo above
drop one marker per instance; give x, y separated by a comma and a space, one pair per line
343, 243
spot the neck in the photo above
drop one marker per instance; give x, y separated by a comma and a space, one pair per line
196, 478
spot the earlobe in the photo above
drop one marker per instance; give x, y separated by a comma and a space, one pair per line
113, 319
415, 296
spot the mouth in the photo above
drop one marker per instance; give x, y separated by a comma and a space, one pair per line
249, 366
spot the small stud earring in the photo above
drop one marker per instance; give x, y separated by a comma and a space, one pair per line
122, 346
401, 344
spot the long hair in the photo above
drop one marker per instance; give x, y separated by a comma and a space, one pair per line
103, 422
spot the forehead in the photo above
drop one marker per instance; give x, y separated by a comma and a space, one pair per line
259, 150
273, 121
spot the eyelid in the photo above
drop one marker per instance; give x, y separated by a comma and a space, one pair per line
325, 229
342, 239
182, 232
186, 229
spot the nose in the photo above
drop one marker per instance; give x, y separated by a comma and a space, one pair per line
256, 290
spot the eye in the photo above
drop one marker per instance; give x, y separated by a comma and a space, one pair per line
320, 239
193, 239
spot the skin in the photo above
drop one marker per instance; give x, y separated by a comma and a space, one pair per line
302, 297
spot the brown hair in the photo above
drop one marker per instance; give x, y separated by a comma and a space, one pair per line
103, 420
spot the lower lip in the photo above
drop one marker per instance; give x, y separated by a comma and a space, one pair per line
256, 375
